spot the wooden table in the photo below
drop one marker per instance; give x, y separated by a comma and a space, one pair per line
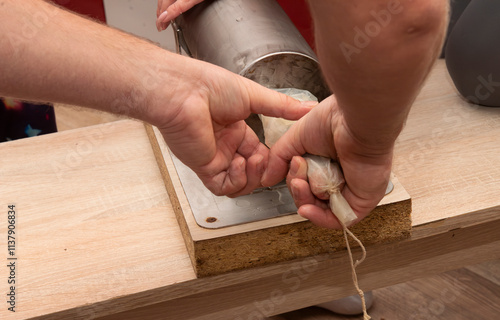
96, 235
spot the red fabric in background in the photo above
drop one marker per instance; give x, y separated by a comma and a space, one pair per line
298, 11
91, 8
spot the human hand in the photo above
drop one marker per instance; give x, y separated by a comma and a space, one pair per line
168, 10
324, 132
204, 126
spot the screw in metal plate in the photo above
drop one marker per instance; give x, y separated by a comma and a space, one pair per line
211, 219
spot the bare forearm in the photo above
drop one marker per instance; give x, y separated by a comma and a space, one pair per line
49, 54
375, 55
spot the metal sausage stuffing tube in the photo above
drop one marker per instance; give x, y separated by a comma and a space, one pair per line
255, 39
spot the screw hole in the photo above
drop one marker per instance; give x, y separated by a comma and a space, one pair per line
211, 219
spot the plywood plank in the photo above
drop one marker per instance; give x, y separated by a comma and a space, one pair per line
447, 158
125, 251
93, 219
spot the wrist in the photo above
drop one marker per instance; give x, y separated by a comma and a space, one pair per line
370, 143
165, 83
375, 134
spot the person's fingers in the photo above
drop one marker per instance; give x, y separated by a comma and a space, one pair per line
298, 184
288, 146
275, 171
257, 156
302, 194
172, 9
159, 26
161, 13
310, 207
317, 185
366, 183
251, 144
310, 134
275, 104
181, 6
319, 216
229, 181
164, 25
162, 6
236, 178
255, 168
298, 170
361, 206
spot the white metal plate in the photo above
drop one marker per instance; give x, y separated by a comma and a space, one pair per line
211, 211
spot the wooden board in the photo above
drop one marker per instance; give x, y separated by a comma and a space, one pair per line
217, 251
91, 219
447, 158
70, 117
125, 255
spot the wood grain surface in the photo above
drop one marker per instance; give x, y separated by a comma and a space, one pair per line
91, 218
98, 235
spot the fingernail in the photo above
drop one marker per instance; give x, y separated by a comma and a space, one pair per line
294, 167
309, 104
162, 16
260, 165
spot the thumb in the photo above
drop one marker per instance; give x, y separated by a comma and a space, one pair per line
275, 104
288, 146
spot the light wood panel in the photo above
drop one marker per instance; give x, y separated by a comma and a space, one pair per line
71, 117
447, 158
107, 206
91, 218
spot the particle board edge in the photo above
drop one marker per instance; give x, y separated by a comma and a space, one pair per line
260, 243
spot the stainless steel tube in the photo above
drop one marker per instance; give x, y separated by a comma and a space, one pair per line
253, 38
